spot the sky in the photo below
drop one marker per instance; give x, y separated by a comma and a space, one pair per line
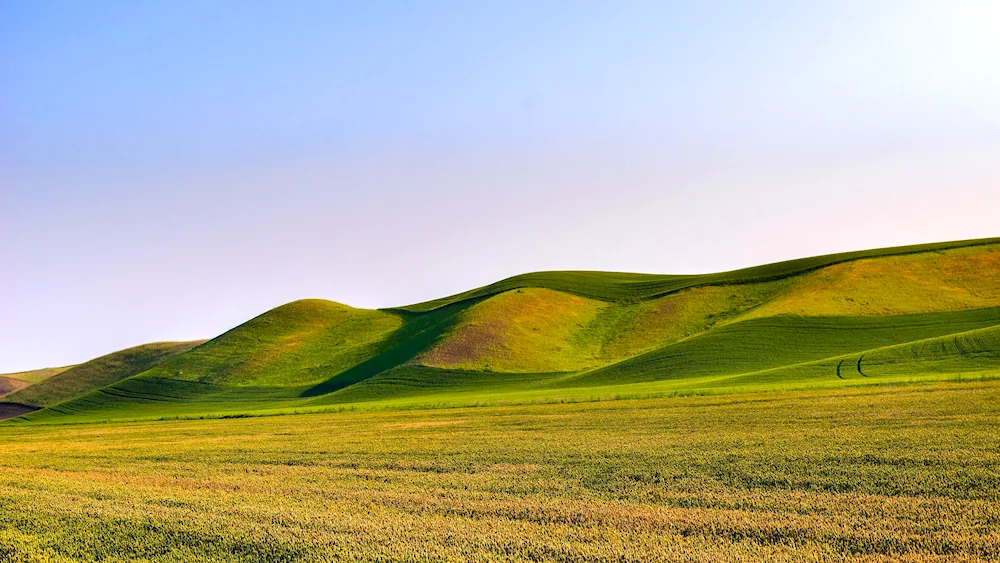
169, 170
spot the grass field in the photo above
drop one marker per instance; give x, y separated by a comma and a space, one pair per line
837, 408
755, 355
873, 474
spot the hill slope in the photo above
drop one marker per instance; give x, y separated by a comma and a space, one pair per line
77, 380
34, 376
616, 286
11, 382
579, 335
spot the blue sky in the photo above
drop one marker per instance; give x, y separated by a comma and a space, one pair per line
168, 170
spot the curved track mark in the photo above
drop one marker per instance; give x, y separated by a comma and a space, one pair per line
838, 369
859, 366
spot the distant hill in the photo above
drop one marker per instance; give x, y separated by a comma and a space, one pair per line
67, 383
11, 382
9, 385
897, 315
34, 376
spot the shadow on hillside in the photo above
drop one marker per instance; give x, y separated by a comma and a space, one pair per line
419, 331
11, 410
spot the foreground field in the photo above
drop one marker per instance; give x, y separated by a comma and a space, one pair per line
873, 474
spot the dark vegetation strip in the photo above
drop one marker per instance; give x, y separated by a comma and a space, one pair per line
859, 366
11, 410
418, 333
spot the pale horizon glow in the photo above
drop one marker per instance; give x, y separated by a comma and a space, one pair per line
167, 173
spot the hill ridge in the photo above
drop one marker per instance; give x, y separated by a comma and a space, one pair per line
586, 334
782, 269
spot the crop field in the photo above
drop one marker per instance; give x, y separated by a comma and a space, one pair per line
837, 408
872, 474
479, 282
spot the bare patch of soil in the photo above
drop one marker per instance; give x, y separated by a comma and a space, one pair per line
8, 385
468, 344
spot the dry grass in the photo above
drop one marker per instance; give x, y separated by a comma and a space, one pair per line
963, 278
525, 330
8, 385
34, 376
908, 474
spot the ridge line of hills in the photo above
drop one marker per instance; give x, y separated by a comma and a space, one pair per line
915, 313
648, 286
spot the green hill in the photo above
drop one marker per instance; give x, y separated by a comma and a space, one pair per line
917, 313
11, 382
609, 286
69, 383
34, 376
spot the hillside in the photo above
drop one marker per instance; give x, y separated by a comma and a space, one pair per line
609, 286
11, 382
9, 385
34, 376
69, 383
918, 313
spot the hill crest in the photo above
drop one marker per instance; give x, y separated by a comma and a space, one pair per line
585, 334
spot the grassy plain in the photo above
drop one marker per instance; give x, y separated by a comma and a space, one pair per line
872, 474
836, 408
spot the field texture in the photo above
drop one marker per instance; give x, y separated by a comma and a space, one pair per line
871, 474
836, 408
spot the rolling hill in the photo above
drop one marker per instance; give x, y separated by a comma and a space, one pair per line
67, 383
888, 316
11, 382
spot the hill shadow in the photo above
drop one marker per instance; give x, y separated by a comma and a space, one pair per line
13, 410
419, 331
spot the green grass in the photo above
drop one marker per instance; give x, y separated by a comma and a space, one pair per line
946, 280
773, 354
301, 343
543, 330
579, 336
106, 370
13, 382
873, 474
34, 376
761, 344
839, 408
525, 330
614, 286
